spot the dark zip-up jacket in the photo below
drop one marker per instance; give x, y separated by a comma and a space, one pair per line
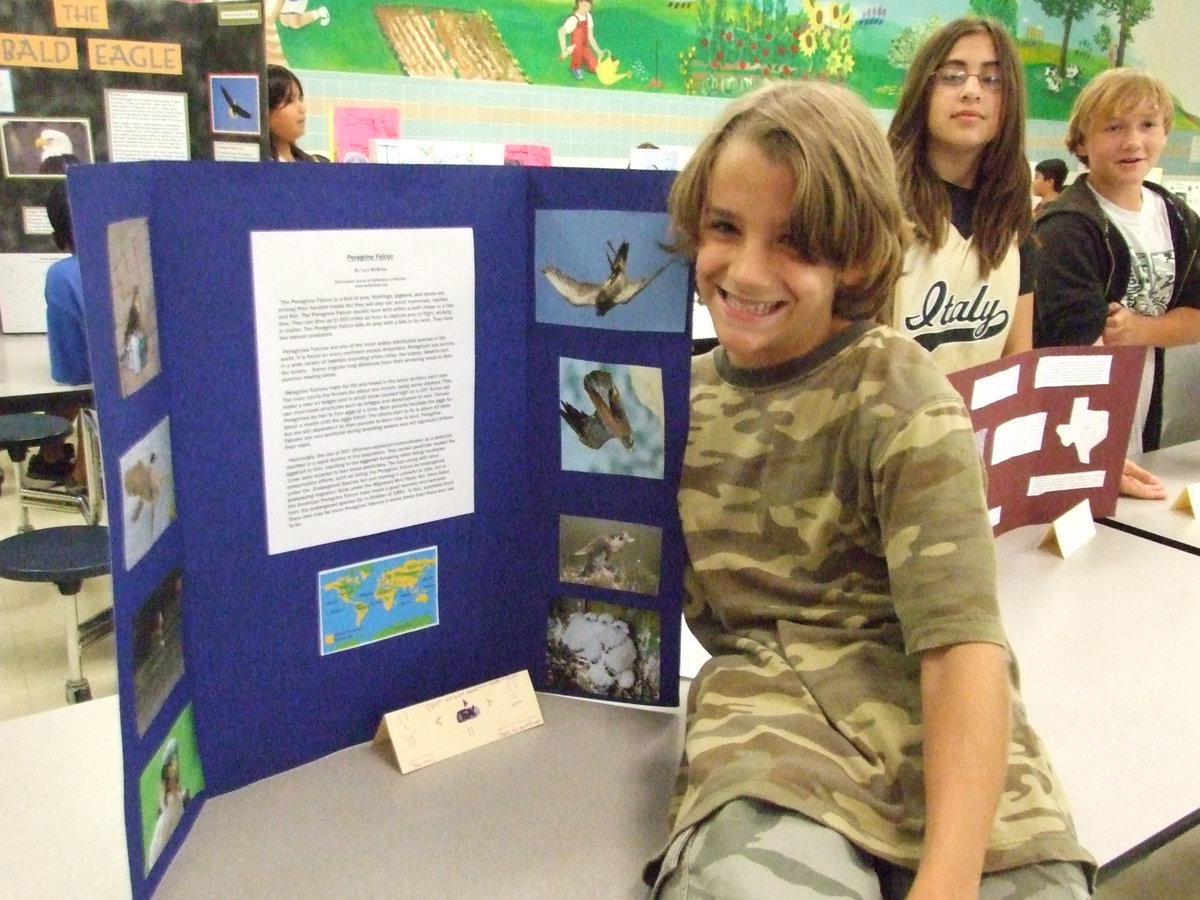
1083, 265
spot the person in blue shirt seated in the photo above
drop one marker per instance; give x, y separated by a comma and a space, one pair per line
67, 336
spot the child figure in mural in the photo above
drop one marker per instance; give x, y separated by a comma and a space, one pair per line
296, 14
578, 28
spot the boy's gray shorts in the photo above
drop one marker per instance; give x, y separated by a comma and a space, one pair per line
749, 850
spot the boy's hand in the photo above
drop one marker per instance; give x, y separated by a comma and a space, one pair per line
1137, 482
1120, 326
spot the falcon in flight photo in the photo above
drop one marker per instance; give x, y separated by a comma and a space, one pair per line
616, 289
607, 422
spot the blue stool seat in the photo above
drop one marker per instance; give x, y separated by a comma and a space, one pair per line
64, 555
20, 431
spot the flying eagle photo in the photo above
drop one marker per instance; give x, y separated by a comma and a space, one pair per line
233, 104
234, 110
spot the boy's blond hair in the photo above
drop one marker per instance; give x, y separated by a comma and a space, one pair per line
1111, 92
846, 209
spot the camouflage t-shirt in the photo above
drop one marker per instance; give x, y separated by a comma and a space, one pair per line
836, 526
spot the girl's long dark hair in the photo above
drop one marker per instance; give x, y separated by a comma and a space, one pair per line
1004, 211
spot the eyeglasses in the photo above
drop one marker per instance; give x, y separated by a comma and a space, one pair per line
955, 76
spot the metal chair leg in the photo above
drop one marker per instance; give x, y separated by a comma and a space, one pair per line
78, 688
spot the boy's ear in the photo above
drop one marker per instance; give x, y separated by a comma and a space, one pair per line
851, 277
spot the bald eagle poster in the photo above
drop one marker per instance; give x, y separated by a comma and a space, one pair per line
115, 81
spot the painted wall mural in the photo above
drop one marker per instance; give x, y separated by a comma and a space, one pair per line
714, 48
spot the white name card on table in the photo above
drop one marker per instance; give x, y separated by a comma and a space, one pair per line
1188, 500
437, 729
1071, 530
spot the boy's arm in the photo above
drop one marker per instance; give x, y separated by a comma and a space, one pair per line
1070, 305
965, 703
1174, 328
592, 37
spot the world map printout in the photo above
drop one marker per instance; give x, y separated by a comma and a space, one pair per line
380, 598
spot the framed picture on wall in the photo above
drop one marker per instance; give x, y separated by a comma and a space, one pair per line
30, 146
233, 104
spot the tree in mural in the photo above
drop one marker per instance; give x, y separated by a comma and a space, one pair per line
1070, 11
1104, 41
904, 45
1129, 13
741, 42
1003, 11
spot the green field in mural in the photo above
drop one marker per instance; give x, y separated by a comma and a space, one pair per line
715, 48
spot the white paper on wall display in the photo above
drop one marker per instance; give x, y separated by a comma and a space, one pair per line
366, 376
1072, 371
23, 290
446, 153
146, 125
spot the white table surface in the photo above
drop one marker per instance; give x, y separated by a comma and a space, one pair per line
572, 808
1107, 644
1178, 467
25, 367
1106, 640
62, 820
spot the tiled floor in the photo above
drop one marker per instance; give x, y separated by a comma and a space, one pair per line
33, 642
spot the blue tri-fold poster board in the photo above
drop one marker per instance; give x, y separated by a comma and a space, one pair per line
348, 329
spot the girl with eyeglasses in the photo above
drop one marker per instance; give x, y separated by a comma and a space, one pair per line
958, 137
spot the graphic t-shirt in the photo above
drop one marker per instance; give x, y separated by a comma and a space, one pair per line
1151, 278
945, 304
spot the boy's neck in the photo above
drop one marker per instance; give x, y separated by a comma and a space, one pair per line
1126, 196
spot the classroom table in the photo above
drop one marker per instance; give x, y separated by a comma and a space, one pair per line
25, 382
572, 808
1106, 644
1178, 467
62, 820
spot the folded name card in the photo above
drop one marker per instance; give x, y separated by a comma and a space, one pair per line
437, 729
1071, 530
1188, 500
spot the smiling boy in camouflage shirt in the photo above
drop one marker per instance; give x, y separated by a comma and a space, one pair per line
855, 730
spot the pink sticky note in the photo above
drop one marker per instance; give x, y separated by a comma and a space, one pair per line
353, 128
526, 155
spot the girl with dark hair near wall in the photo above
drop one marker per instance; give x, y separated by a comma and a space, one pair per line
286, 115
